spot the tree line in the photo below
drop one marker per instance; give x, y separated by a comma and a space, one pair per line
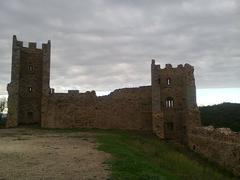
221, 115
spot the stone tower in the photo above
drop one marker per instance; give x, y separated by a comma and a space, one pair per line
174, 107
29, 82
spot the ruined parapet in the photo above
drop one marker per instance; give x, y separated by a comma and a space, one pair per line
217, 134
73, 92
127, 108
130, 91
70, 110
220, 145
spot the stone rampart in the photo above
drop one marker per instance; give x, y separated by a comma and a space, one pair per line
128, 108
220, 145
70, 110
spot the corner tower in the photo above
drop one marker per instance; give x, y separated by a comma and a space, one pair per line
29, 81
174, 105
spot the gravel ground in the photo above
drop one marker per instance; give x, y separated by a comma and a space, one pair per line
39, 154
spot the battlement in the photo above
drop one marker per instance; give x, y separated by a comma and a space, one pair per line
181, 67
218, 134
31, 45
73, 93
16, 42
129, 90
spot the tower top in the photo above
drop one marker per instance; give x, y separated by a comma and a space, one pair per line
31, 45
169, 66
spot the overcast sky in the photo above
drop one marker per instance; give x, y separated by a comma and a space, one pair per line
108, 44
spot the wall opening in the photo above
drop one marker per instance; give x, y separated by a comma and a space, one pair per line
29, 89
168, 81
169, 126
30, 116
169, 102
30, 68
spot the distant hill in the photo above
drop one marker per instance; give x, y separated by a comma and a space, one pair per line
221, 115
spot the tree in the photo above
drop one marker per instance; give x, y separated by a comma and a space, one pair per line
3, 103
221, 115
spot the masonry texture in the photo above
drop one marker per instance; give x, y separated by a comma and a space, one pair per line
220, 145
168, 107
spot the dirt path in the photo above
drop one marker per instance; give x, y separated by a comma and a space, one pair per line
35, 154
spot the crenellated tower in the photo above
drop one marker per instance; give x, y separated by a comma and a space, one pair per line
174, 107
29, 82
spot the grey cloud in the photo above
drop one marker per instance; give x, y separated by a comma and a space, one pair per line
108, 44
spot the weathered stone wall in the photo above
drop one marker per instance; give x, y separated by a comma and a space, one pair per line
157, 114
13, 86
219, 145
25, 88
46, 91
128, 108
30, 101
70, 110
174, 101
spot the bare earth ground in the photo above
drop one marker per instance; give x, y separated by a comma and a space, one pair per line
39, 154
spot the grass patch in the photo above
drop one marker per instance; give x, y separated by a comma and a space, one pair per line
143, 156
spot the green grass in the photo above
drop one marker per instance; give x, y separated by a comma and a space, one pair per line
143, 156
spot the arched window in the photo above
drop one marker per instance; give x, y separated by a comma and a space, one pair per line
169, 102
168, 81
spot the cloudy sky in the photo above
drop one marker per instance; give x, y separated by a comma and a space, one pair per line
108, 44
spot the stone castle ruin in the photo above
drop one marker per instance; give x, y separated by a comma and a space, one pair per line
168, 107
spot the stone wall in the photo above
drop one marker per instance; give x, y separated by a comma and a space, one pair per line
45, 80
157, 114
30, 77
70, 110
29, 80
128, 108
219, 145
174, 106
13, 86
